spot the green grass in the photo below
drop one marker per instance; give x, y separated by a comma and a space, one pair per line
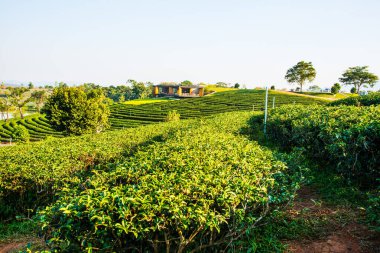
329, 95
146, 101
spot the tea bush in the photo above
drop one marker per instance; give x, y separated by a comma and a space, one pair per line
347, 138
20, 134
202, 187
30, 174
366, 100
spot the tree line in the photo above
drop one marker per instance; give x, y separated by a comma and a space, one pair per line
358, 77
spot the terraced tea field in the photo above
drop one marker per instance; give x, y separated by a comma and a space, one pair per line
127, 115
123, 115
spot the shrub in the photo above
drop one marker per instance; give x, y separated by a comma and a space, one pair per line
366, 100
201, 188
172, 116
20, 134
31, 174
77, 110
347, 138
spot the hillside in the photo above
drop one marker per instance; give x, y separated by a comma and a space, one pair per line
130, 115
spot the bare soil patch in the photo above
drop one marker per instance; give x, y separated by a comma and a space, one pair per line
344, 232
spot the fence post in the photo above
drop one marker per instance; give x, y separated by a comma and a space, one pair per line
266, 111
274, 99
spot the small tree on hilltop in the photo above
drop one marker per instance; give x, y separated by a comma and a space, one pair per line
237, 85
186, 83
335, 88
300, 73
75, 111
359, 77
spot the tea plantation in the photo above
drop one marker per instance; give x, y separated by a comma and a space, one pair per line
127, 116
205, 183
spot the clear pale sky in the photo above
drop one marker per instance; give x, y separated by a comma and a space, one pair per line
246, 41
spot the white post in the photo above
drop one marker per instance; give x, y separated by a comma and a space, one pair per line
253, 107
274, 99
266, 111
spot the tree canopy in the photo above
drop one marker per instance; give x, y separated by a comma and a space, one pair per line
300, 73
77, 110
186, 82
359, 76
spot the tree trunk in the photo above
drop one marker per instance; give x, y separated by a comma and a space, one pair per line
20, 110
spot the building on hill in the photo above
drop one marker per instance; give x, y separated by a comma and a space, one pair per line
176, 90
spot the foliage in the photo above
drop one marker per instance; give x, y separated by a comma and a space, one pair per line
315, 88
19, 97
186, 83
359, 77
335, 88
126, 115
222, 84
173, 116
353, 90
140, 90
366, 100
5, 107
202, 187
20, 134
346, 138
39, 98
17, 229
236, 85
136, 113
300, 73
75, 111
273, 87
373, 210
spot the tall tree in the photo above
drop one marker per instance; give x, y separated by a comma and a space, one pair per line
19, 97
5, 107
359, 77
77, 111
140, 89
39, 98
300, 73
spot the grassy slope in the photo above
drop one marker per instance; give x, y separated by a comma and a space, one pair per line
142, 112
329, 96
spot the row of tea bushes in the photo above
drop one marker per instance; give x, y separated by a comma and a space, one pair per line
346, 137
202, 187
123, 116
30, 174
366, 100
37, 126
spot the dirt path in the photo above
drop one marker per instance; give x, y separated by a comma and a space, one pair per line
12, 247
17, 244
343, 231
